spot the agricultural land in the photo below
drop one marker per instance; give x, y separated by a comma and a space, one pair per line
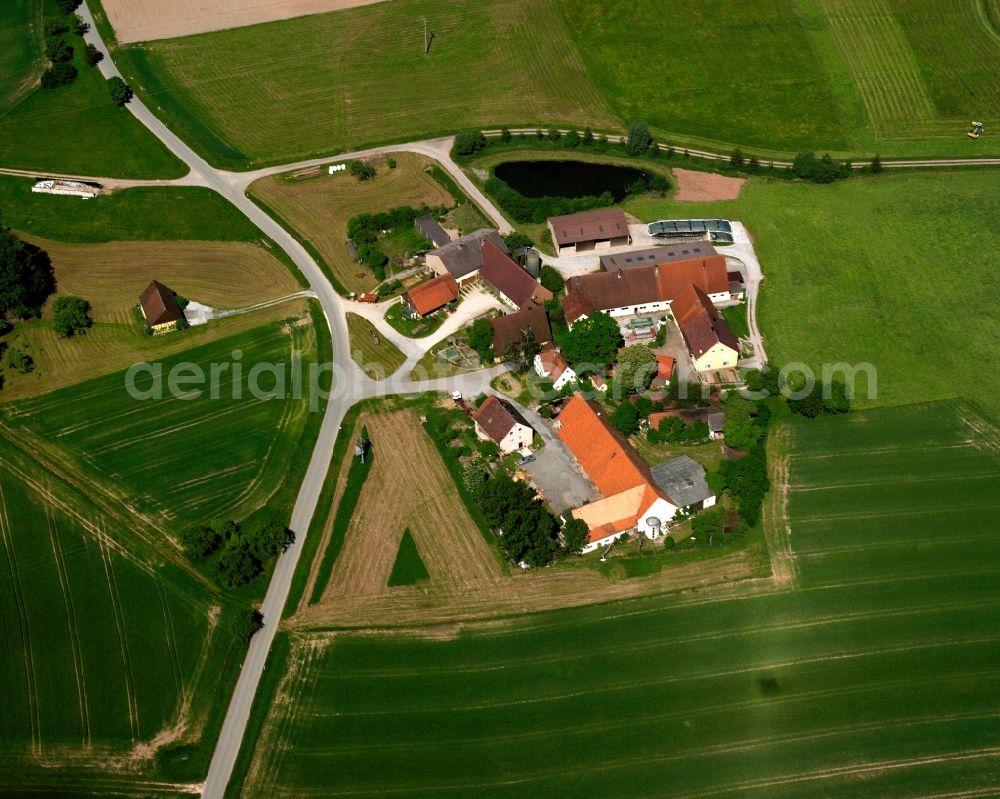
75, 128
900, 77
863, 676
319, 208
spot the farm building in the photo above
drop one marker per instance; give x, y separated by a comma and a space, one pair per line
716, 425
589, 230
515, 286
719, 230
645, 289
428, 227
631, 498
430, 295
500, 422
510, 330
737, 286
463, 258
684, 481
664, 370
551, 365
612, 262
711, 342
686, 415
159, 307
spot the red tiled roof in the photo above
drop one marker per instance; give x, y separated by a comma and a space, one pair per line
553, 363
664, 367
701, 323
608, 459
599, 225
508, 278
603, 291
433, 294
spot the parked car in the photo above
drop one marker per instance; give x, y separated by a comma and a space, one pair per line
456, 395
526, 459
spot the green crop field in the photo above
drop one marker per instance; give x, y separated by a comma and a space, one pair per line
75, 128
897, 271
872, 673
111, 652
903, 77
178, 460
336, 81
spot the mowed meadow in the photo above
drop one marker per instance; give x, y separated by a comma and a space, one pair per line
895, 271
873, 674
337, 81
111, 650
899, 77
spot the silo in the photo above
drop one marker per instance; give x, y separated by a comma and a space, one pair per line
533, 263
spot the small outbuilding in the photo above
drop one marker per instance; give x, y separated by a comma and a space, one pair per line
430, 295
683, 479
160, 308
428, 227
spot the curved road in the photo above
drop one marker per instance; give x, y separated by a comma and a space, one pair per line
354, 383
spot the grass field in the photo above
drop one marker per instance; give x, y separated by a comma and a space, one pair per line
319, 209
74, 128
409, 568
902, 77
370, 350
219, 90
177, 461
896, 271
111, 651
140, 214
219, 274
871, 674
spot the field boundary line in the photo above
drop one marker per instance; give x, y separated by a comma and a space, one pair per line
30, 678
78, 667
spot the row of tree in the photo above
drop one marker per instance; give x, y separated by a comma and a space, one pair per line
237, 555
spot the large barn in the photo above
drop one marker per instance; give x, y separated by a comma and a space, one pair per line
589, 230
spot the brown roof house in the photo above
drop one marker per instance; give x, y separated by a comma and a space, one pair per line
431, 295
514, 285
463, 258
500, 422
511, 329
589, 230
710, 340
160, 308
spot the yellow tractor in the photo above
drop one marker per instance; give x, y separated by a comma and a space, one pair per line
975, 130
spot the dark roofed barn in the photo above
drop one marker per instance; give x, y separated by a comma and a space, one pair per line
159, 306
428, 227
463, 258
588, 230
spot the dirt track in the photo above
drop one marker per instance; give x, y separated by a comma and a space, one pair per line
144, 20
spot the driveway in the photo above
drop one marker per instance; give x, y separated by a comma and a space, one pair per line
555, 471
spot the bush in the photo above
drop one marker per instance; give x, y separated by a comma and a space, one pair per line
361, 170
55, 26
79, 26
58, 75
201, 541
469, 142
639, 138
552, 279
481, 340
246, 624
236, 566
625, 418
819, 170
71, 316
517, 240
391, 163
67, 6
57, 49
554, 134
18, 360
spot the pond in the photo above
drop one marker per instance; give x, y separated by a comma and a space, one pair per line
568, 178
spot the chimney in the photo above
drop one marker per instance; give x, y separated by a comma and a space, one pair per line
577, 282
619, 273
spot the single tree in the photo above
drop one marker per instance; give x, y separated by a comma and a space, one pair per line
736, 160
469, 142
57, 49
876, 165
79, 26
625, 418
26, 276
71, 315
236, 566
517, 240
505, 136
246, 624
481, 340
636, 368
67, 6
574, 536
572, 139
92, 55
754, 165
588, 136
57, 75
200, 541
18, 360
592, 341
554, 134
119, 90
639, 138
361, 170
269, 538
